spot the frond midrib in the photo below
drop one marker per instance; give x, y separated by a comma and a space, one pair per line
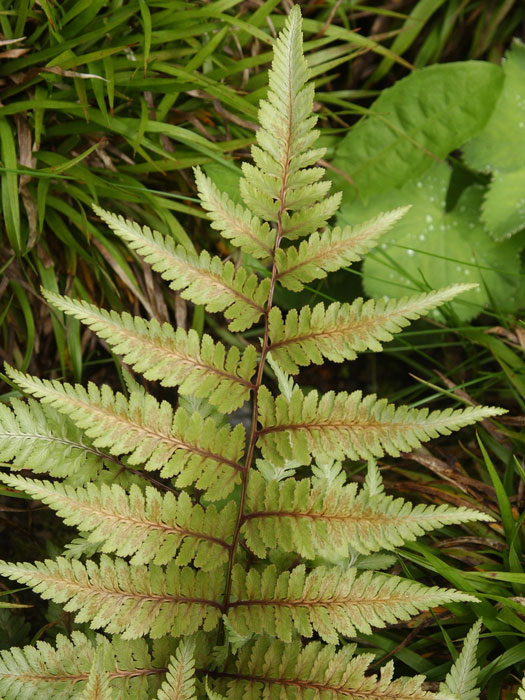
79, 677
379, 516
105, 593
315, 685
62, 441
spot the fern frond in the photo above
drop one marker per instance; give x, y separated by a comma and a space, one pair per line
37, 437
313, 517
148, 526
341, 425
180, 679
286, 120
234, 222
462, 678
148, 432
97, 687
330, 251
329, 601
45, 672
340, 331
204, 279
128, 600
281, 185
301, 223
176, 357
521, 690
293, 672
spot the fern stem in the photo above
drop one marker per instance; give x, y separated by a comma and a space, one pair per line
254, 433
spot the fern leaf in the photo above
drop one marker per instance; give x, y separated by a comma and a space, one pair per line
234, 221
286, 128
521, 690
204, 279
462, 678
301, 223
329, 601
293, 672
338, 332
98, 687
37, 437
46, 672
313, 517
281, 186
148, 432
148, 526
128, 600
180, 679
330, 251
176, 357
347, 425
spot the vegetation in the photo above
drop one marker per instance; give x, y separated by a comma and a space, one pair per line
114, 103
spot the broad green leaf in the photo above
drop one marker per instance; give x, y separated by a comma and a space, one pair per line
499, 149
419, 120
433, 248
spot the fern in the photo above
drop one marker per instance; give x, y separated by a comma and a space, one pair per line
204, 279
291, 671
340, 331
144, 525
462, 677
63, 671
180, 679
148, 432
98, 687
128, 600
177, 358
34, 436
330, 251
313, 517
348, 425
331, 602
220, 553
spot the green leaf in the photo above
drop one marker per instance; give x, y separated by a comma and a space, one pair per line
419, 120
498, 149
234, 221
37, 437
9, 184
62, 671
175, 357
328, 600
98, 687
180, 678
339, 425
150, 433
149, 526
462, 678
433, 247
330, 251
204, 279
128, 600
339, 331
290, 671
319, 518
